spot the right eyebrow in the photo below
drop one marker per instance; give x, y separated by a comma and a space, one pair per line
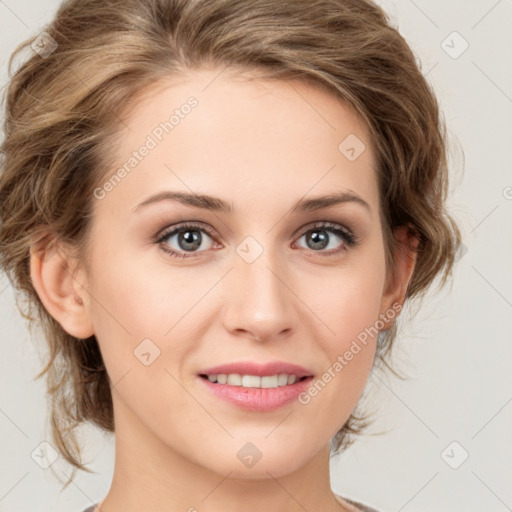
197, 200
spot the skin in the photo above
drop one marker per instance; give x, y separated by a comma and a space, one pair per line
261, 146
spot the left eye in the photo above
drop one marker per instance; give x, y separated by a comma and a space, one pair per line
321, 237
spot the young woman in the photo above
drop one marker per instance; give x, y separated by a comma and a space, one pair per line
217, 211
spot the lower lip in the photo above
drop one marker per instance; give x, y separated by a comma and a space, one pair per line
258, 399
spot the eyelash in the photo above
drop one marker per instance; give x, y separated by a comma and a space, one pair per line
349, 238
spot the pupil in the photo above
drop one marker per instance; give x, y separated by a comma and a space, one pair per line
319, 239
190, 237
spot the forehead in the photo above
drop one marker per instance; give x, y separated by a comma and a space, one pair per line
233, 135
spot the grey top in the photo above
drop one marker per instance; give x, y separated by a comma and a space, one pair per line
364, 508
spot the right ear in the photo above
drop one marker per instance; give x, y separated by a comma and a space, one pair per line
56, 278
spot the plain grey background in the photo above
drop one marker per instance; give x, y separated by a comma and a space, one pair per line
448, 445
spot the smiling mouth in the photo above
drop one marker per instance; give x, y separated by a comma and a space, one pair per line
254, 381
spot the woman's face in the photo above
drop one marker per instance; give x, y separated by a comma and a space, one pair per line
263, 281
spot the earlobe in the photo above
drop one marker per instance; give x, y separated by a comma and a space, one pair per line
63, 296
405, 261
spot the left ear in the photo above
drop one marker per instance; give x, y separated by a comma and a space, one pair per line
398, 279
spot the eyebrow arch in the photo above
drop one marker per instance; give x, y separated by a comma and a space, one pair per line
216, 204
317, 203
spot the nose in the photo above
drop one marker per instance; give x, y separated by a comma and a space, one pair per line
260, 302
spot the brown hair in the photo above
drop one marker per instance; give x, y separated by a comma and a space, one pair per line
62, 108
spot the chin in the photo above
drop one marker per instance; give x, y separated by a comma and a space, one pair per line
249, 462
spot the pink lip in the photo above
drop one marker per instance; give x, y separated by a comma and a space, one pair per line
261, 370
258, 399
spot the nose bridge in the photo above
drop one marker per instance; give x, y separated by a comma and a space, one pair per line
261, 302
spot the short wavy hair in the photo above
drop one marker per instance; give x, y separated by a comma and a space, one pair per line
62, 109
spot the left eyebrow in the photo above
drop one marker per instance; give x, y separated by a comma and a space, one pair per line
317, 203
216, 204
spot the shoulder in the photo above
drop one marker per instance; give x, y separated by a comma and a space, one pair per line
358, 506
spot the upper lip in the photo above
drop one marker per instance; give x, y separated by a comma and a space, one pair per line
262, 370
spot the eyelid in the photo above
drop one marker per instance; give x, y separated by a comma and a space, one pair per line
176, 228
323, 224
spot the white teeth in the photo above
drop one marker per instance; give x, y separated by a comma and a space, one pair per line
234, 379
282, 380
269, 381
253, 381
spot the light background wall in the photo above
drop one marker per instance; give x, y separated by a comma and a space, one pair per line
457, 351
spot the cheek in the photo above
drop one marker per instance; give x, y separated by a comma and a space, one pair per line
349, 302
349, 305
137, 299
348, 354
141, 315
